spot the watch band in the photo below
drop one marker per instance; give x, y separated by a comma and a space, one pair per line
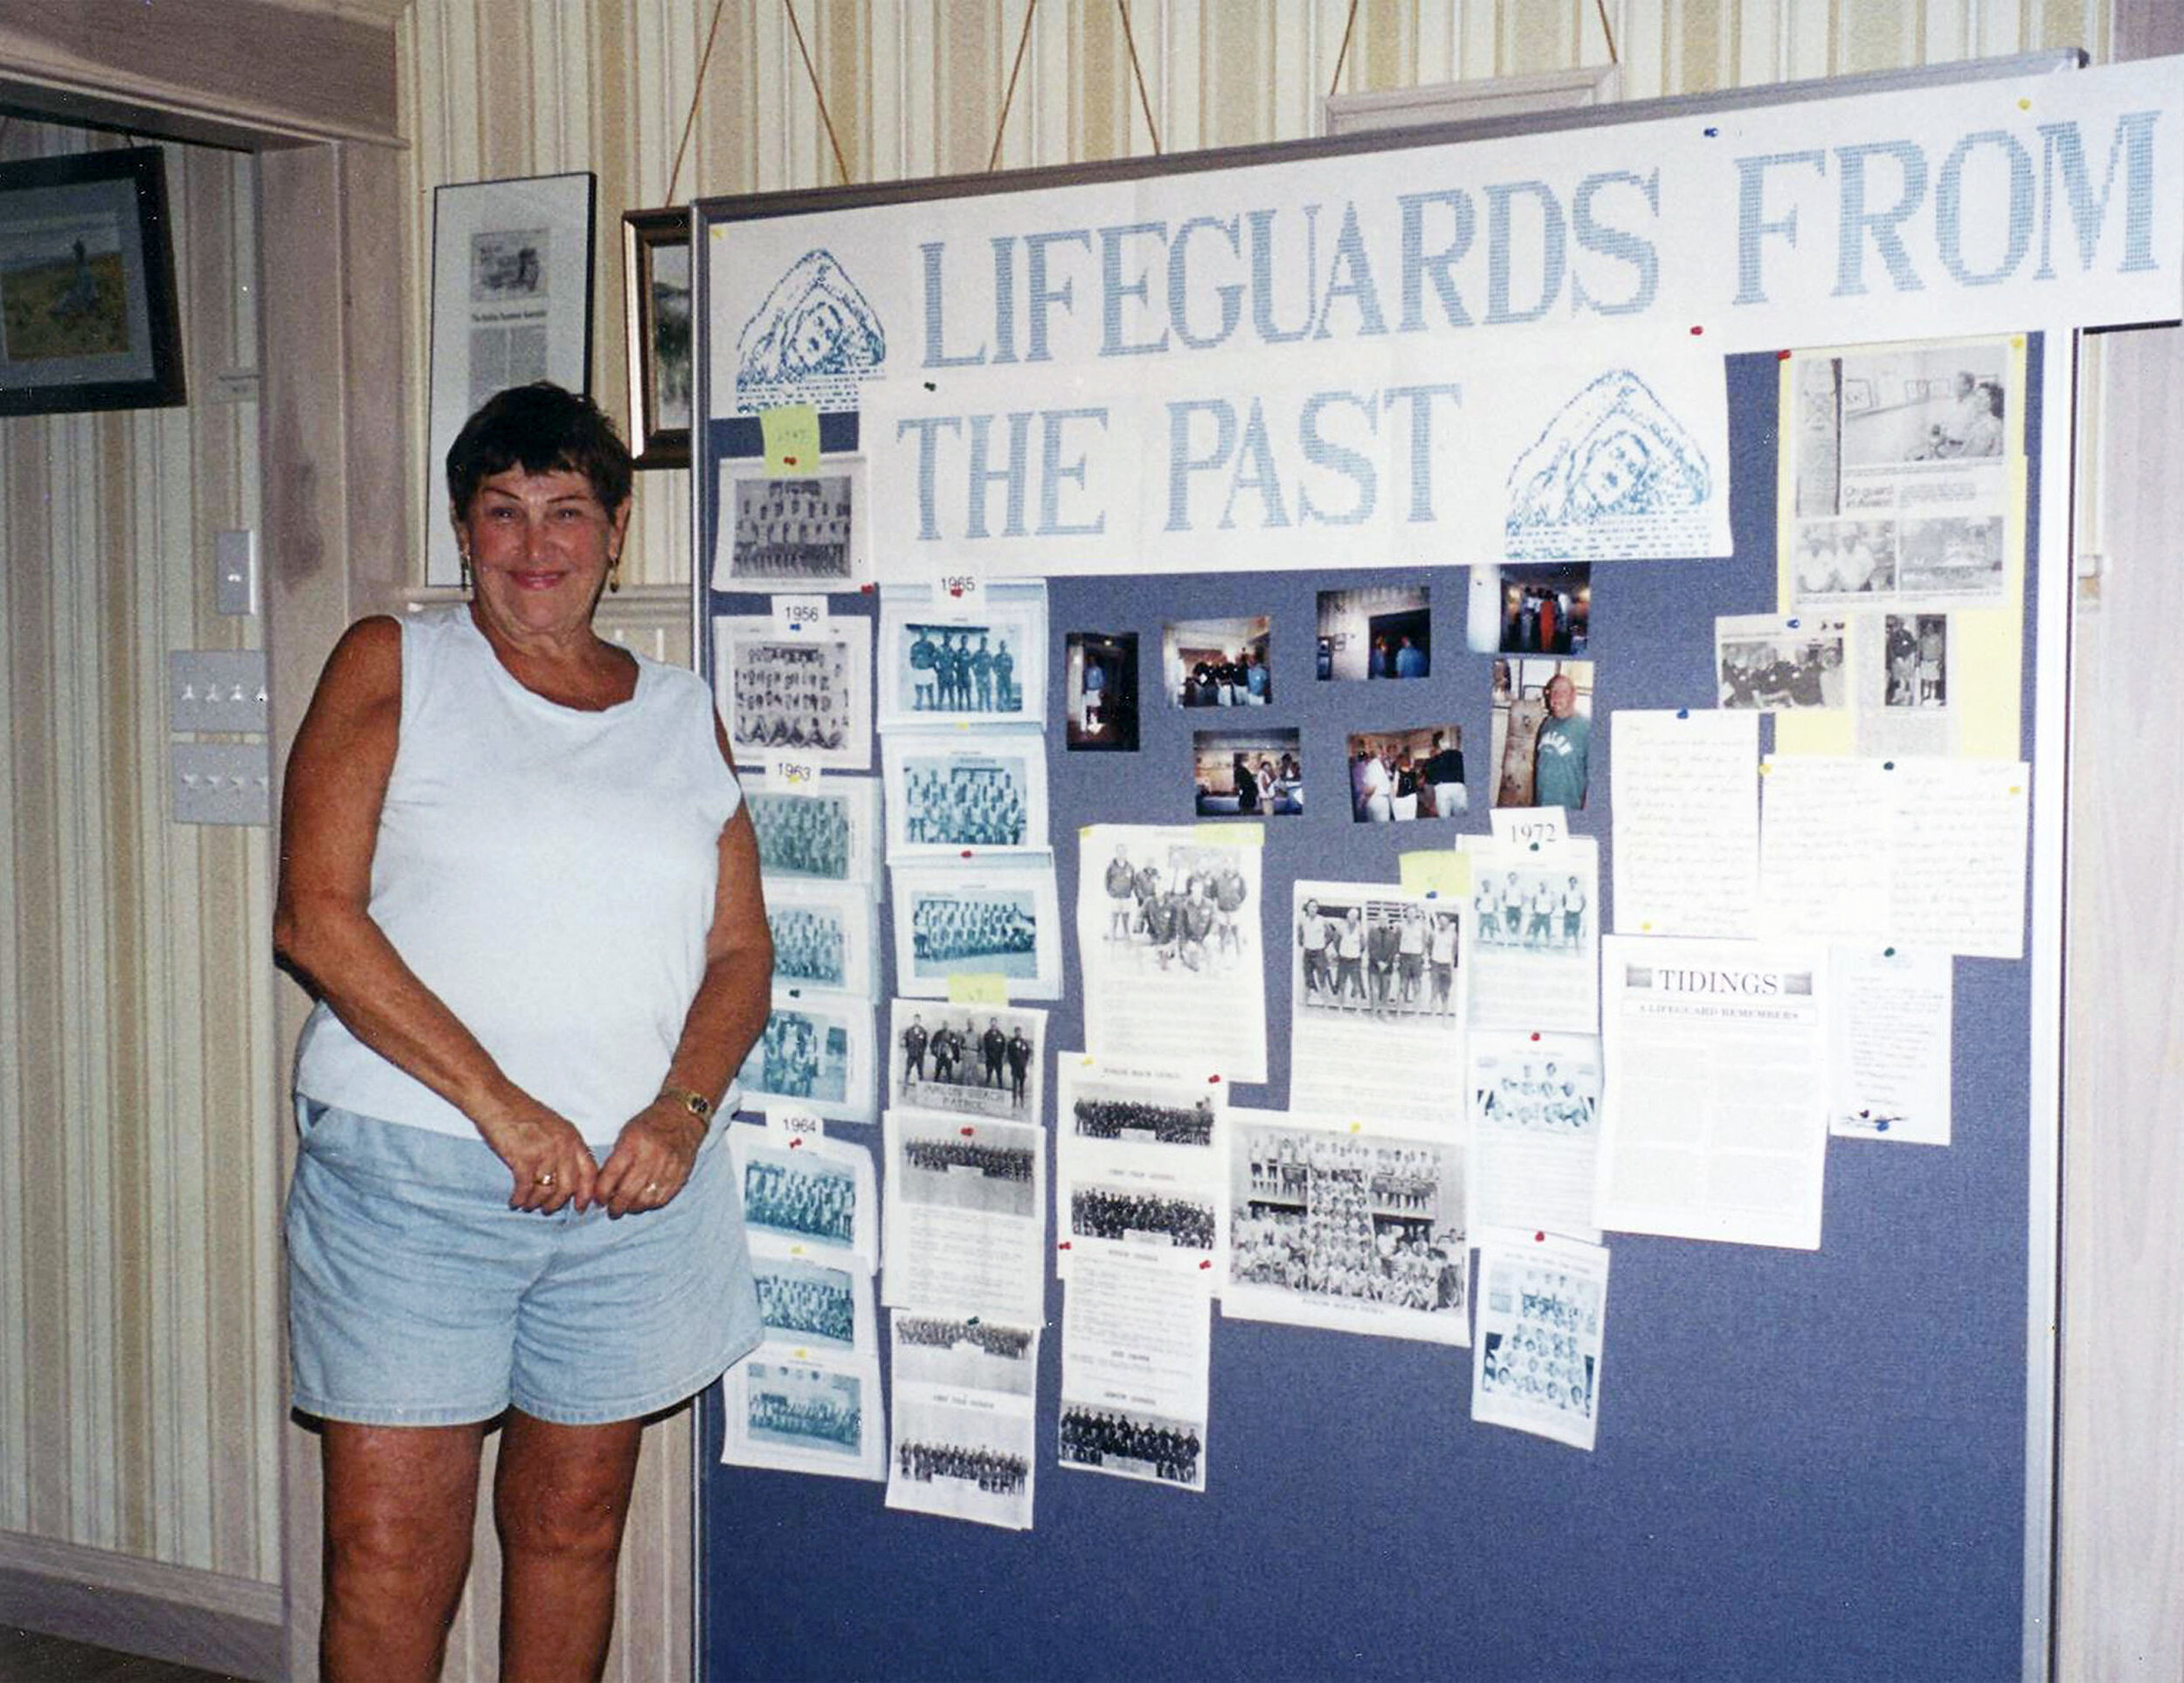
696, 1103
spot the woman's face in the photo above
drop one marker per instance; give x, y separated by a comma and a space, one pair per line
539, 545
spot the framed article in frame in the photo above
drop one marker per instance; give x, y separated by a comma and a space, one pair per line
656, 312
511, 304
87, 315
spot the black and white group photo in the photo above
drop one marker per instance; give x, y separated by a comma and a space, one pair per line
966, 1061
1535, 911
1132, 1445
977, 660
1372, 958
826, 835
963, 669
806, 1302
1539, 1337
1777, 665
790, 533
1129, 1215
797, 693
991, 932
946, 793
1098, 1111
1543, 1096
992, 1168
804, 1051
805, 1408
801, 1197
822, 936
965, 1353
967, 1463
1178, 909
1319, 1214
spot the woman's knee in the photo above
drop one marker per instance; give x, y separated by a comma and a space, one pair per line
563, 1490
400, 1504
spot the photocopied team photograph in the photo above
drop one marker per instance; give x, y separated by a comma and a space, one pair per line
829, 833
791, 533
805, 694
973, 1061
949, 792
819, 1194
949, 660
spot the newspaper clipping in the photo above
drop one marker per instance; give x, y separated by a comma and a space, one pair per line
1535, 935
1900, 462
1168, 936
1535, 1131
1376, 1007
1716, 1110
1543, 1311
966, 1215
1135, 1341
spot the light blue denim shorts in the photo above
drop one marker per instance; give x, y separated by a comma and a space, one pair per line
416, 1297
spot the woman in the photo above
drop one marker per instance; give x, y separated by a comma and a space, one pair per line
517, 875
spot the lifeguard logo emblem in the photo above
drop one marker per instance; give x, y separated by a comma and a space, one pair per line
813, 342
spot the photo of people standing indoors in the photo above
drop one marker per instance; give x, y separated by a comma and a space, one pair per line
1401, 774
1217, 663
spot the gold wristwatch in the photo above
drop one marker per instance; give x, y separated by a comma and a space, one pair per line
696, 1103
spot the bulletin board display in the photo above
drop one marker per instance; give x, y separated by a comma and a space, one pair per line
1822, 1463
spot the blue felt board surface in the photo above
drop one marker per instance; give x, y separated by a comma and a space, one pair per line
1809, 1466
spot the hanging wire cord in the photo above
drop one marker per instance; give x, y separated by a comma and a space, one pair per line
811, 74
1023, 40
1138, 70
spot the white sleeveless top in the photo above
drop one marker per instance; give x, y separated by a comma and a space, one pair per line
548, 873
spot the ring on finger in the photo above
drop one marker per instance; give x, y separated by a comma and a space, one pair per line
544, 1177
651, 1188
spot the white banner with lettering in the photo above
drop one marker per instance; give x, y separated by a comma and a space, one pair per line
1505, 350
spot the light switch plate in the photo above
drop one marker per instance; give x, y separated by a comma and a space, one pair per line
235, 572
221, 783
210, 689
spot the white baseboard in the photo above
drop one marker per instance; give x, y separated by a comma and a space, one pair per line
205, 1619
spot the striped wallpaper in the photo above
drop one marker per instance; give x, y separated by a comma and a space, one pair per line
139, 1390
140, 1408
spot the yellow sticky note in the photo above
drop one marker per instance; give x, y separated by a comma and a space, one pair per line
792, 436
978, 990
1233, 835
1441, 872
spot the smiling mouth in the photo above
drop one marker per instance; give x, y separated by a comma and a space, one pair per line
536, 581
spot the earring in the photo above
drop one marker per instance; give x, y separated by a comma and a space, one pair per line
615, 571
465, 555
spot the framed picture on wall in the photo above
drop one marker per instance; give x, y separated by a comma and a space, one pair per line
87, 311
656, 306
511, 304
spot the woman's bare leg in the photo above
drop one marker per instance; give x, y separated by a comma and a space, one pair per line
400, 1503
560, 1497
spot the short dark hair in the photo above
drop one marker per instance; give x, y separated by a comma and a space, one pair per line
542, 429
